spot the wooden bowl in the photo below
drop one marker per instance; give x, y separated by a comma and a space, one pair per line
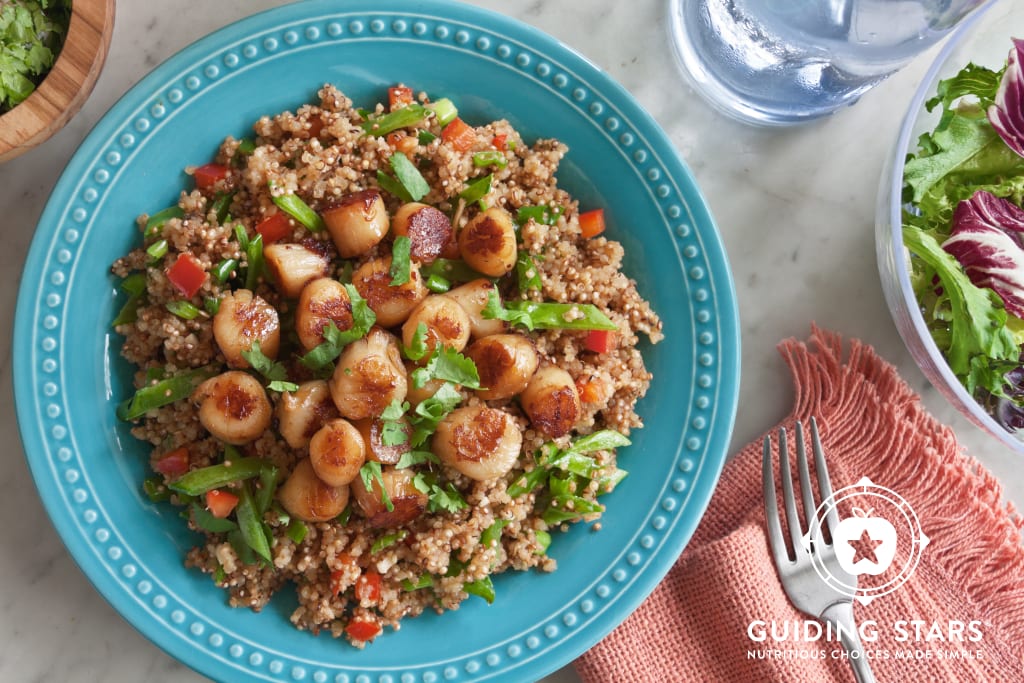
68, 84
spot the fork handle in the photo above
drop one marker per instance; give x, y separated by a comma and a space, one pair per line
840, 615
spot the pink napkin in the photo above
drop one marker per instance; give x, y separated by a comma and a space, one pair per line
705, 621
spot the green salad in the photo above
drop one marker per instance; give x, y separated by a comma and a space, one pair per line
964, 228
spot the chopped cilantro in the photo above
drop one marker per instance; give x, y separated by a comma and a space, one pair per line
275, 372
31, 35
400, 261
371, 472
335, 340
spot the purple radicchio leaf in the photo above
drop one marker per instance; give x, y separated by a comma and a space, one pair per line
987, 240
1008, 412
1006, 114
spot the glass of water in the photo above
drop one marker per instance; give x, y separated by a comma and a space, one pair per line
781, 62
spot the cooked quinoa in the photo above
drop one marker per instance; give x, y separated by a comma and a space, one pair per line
367, 567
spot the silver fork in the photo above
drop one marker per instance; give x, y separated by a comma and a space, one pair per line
808, 591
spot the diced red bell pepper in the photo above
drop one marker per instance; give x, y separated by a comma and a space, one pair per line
206, 175
172, 464
397, 95
220, 503
187, 275
600, 341
459, 134
592, 223
274, 227
500, 141
358, 629
336, 577
368, 586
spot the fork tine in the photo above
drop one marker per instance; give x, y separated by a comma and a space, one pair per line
824, 482
806, 493
771, 507
788, 499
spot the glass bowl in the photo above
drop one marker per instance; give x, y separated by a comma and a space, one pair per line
983, 38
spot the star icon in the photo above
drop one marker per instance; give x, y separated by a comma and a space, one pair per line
865, 547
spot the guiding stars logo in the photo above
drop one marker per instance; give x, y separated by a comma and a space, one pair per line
880, 542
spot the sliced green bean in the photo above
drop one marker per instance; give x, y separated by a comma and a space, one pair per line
200, 481
250, 524
299, 210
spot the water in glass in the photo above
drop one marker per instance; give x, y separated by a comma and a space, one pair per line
786, 61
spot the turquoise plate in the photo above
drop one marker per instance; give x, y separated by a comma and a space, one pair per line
69, 376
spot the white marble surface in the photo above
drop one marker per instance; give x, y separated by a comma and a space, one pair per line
795, 207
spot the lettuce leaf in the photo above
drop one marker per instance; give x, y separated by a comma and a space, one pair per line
979, 347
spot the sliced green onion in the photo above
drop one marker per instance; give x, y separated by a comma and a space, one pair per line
223, 270
183, 309
409, 176
264, 496
160, 394
425, 137
221, 205
483, 588
548, 315
528, 482
492, 534
246, 146
206, 521
453, 270
400, 118
242, 236
211, 305
157, 220
157, 250
299, 210
477, 189
388, 540
200, 481
400, 261
134, 284
254, 255
241, 548
527, 273
444, 110
490, 158
297, 531
438, 284
543, 540
251, 524
155, 489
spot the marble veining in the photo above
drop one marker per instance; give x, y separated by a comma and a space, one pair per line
795, 208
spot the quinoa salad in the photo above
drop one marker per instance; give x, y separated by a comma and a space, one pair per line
381, 357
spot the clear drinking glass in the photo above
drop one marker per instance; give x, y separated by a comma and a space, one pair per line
781, 62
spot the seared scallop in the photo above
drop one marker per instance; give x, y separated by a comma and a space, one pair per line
233, 407
481, 443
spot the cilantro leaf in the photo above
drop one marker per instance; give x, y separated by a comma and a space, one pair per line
447, 364
418, 348
393, 426
273, 371
400, 261
370, 472
335, 340
429, 413
446, 498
